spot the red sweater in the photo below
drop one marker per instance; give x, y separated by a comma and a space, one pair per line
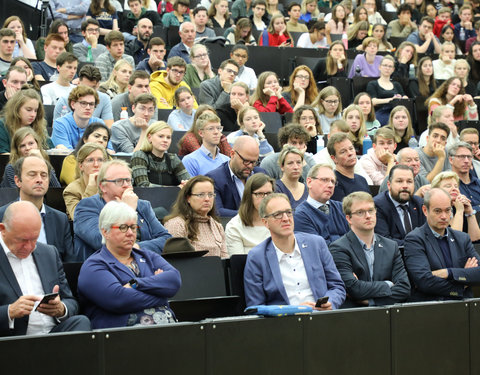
283, 106
274, 40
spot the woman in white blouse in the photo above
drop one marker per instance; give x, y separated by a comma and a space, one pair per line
246, 230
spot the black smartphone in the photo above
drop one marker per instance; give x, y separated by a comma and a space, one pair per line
321, 301
289, 41
46, 298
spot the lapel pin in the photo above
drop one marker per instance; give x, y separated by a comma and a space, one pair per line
304, 245
142, 260
141, 220
380, 245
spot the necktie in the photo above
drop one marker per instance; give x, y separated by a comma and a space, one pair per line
406, 219
325, 209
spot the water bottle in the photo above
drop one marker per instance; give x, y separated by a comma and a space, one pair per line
124, 114
462, 33
320, 143
413, 143
89, 54
411, 71
64, 111
367, 144
345, 39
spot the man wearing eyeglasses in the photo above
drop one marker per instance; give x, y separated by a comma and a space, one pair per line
461, 157
231, 176
399, 211
164, 83
441, 262
290, 268
90, 32
471, 136
216, 91
371, 266
208, 156
128, 135
319, 214
115, 184
67, 130
32, 177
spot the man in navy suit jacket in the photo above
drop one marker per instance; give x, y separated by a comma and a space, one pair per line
441, 262
371, 266
28, 270
115, 183
290, 268
32, 176
231, 176
391, 220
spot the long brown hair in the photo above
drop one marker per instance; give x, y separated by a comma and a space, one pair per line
310, 93
423, 83
11, 112
18, 138
408, 131
245, 211
258, 93
183, 209
96, 9
331, 64
16, 18
441, 95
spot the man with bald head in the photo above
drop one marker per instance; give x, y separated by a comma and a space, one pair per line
231, 176
28, 271
409, 157
441, 262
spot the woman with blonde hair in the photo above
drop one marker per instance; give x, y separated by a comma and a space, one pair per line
353, 116
193, 216
302, 88
23, 45
290, 161
464, 218
329, 106
246, 230
364, 101
153, 165
309, 10
200, 68
268, 97
117, 83
90, 158
401, 124
356, 34
25, 142
461, 69
276, 35
24, 108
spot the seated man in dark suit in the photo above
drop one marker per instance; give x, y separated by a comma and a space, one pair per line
371, 266
440, 261
231, 176
319, 214
29, 270
290, 268
398, 210
32, 176
115, 183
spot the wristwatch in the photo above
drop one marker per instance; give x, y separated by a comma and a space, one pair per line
133, 283
471, 213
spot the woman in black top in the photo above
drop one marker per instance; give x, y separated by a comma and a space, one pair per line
334, 65
424, 84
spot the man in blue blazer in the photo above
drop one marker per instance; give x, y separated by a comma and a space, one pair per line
290, 268
115, 183
398, 201
312, 215
371, 266
441, 262
28, 270
32, 176
231, 176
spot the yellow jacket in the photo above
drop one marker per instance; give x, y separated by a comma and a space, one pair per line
161, 89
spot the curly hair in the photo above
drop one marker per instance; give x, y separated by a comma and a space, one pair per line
440, 95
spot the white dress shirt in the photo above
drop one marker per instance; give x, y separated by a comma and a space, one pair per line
28, 279
294, 276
